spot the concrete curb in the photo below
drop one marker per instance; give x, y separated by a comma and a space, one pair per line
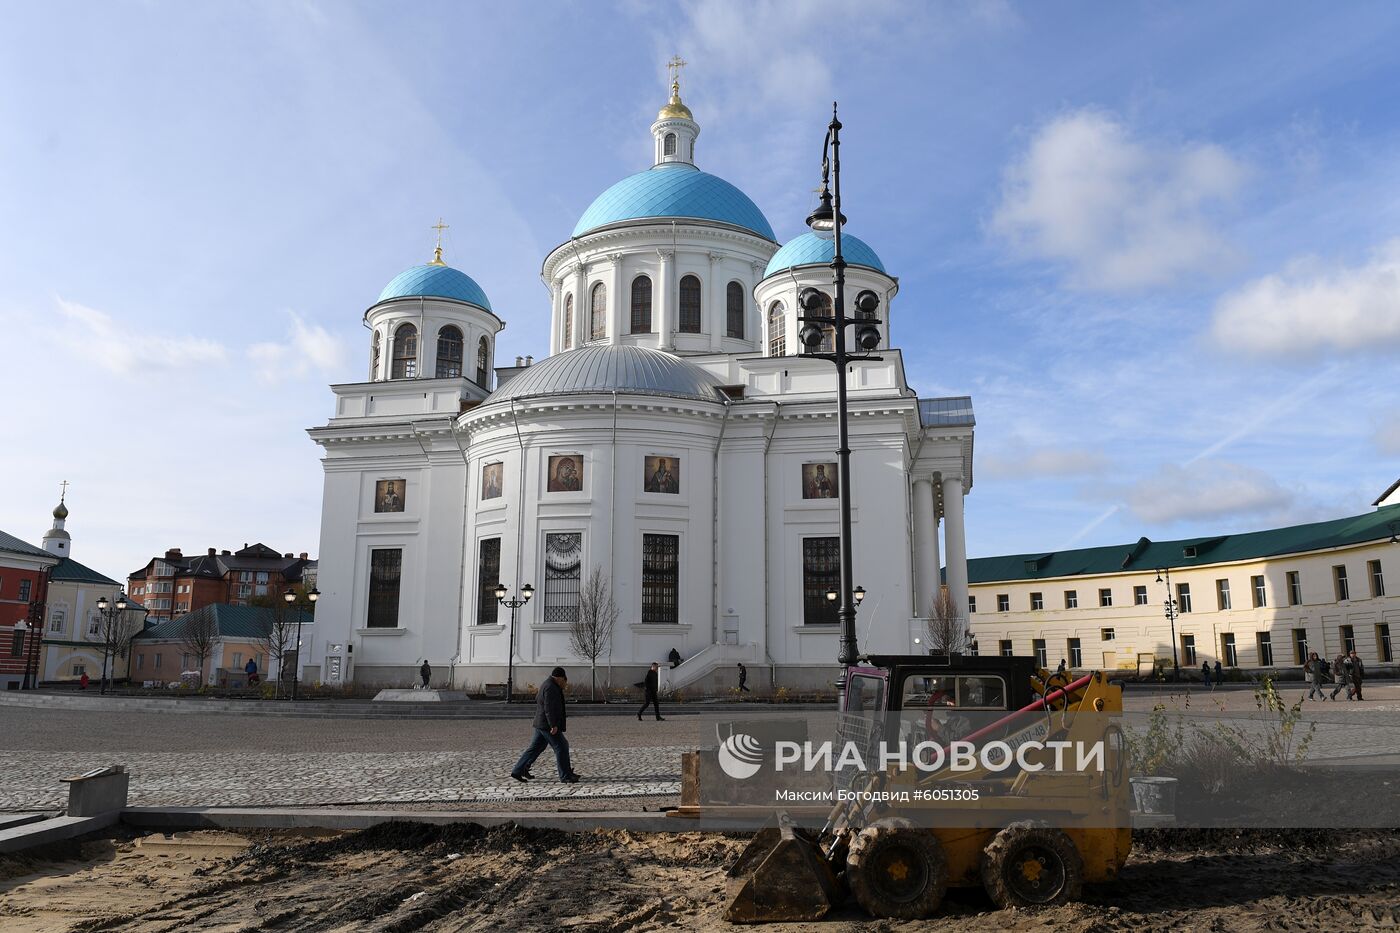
169, 819
58, 829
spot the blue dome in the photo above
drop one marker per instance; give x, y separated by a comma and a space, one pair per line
810, 249
434, 281
674, 189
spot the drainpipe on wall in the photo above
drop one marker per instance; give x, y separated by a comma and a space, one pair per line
612, 532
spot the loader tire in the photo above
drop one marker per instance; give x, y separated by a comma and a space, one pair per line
897, 870
1030, 865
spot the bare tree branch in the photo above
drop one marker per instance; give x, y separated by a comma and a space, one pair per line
275, 641
591, 633
200, 633
947, 625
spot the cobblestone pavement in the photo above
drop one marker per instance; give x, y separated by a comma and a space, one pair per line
220, 760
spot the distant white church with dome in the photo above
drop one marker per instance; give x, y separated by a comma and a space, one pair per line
673, 437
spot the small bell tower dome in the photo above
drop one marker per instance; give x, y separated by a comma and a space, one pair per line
56, 539
675, 129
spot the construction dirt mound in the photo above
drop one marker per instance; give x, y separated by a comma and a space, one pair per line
401, 877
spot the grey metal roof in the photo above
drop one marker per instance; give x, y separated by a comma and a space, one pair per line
954, 411
16, 546
605, 368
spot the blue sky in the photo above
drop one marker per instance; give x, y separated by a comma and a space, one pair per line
1159, 244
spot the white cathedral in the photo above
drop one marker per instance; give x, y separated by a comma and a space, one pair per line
675, 438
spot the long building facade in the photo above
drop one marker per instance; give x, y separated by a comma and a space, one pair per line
1260, 600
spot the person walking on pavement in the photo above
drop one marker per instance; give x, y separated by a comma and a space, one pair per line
1061, 668
1315, 669
675, 658
426, 672
1205, 673
550, 722
651, 687
1219, 676
1358, 672
1342, 676
251, 670
743, 678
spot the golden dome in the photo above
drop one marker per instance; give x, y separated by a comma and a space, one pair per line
674, 109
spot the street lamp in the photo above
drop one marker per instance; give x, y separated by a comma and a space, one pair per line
23, 628
858, 594
1171, 612
289, 597
112, 632
526, 592
828, 219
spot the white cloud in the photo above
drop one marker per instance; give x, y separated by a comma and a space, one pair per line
1118, 212
1311, 308
1019, 461
1206, 489
125, 350
307, 349
1387, 436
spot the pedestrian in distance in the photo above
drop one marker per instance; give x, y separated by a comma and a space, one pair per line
675, 658
1358, 672
1061, 668
426, 672
1219, 674
743, 678
1205, 673
83, 681
551, 720
251, 669
1341, 675
1315, 669
651, 686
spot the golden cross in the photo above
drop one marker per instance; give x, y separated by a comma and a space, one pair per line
675, 65
437, 251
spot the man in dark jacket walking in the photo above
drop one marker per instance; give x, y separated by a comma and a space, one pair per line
426, 672
650, 686
1358, 672
550, 722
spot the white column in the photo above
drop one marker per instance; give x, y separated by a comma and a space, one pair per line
664, 298
925, 536
581, 303
616, 304
956, 541
718, 302
556, 316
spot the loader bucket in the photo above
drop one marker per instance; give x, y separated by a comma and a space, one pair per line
781, 876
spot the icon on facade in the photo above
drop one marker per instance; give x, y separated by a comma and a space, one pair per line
819, 481
662, 474
388, 495
565, 473
492, 480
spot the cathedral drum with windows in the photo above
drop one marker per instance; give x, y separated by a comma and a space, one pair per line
675, 445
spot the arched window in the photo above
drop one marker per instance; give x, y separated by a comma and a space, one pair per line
734, 310
568, 320
641, 305
690, 305
598, 315
405, 352
449, 356
828, 331
375, 346
483, 353
669, 146
777, 330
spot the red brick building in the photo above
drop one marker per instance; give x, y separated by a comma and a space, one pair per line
173, 585
24, 584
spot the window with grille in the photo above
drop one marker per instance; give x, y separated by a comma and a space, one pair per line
568, 320
563, 562
669, 144
734, 310
449, 353
777, 333
405, 352
660, 578
598, 314
641, 305
689, 321
488, 574
821, 572
385, 571
24, 589
483, 355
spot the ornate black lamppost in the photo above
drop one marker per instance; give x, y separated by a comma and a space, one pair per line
826, 219
1171, 610
290, 597
526, 592
113, 632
